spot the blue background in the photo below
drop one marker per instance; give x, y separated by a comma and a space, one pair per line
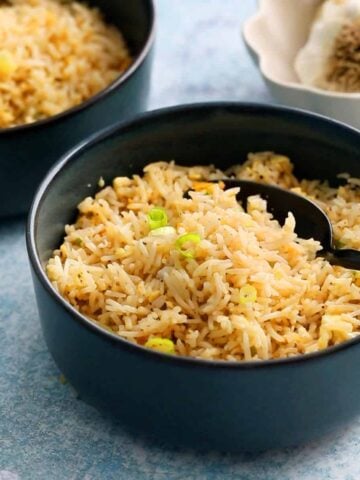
45, 431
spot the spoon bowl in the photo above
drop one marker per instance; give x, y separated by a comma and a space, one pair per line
311, 220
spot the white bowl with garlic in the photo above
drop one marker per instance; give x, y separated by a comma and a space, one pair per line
308, 52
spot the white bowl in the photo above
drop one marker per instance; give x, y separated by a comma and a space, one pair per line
273, 37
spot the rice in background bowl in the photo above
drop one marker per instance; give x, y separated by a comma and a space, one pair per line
54, 55
28, 150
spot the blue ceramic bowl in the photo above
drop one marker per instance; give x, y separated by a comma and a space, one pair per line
27, 152
203, 404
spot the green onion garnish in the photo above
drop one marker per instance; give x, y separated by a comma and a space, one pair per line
180, 243
157, 218
79, 242
163, 231
339, 244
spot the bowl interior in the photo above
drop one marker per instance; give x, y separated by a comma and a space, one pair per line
134, 19
220, 134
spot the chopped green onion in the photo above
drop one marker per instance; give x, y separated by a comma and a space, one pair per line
339, 244
193, 238
79, 242
163, 231
248, 294
157, 218
163, 345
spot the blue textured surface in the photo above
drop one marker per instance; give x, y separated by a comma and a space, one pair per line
45, 431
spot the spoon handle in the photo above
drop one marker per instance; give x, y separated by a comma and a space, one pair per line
347, 258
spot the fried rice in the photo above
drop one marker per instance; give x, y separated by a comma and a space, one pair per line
205, 277
54, 55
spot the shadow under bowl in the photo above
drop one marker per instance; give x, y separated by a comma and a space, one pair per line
28, 151
229, 406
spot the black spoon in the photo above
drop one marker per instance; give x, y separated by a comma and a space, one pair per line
311, 220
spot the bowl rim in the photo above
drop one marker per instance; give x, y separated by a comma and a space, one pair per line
116, 130
296, 86
118, 82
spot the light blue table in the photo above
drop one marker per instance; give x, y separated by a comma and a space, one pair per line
45, 432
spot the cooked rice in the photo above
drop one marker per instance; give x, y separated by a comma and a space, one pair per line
115, 271
54, 54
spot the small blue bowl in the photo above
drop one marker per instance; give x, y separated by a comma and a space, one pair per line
228, 406
28, 151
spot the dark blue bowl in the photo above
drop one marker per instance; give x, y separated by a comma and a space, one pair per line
203, 404
27, 152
